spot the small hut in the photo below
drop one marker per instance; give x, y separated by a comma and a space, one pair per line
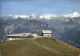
46, 33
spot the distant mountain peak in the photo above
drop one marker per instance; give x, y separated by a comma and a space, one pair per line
48, 16
75, 14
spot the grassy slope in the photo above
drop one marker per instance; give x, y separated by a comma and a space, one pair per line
59, 46
29, 48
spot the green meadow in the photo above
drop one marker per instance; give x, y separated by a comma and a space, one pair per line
37, 47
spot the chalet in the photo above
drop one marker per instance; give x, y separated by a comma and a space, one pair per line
46, 33
18, 36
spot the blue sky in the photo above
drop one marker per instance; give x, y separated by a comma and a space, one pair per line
39, 7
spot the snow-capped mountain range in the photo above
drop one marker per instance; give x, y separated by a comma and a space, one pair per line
45, 16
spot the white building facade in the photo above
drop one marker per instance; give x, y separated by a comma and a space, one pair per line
46, 33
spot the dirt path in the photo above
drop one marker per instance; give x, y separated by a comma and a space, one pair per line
54, 51
47, 48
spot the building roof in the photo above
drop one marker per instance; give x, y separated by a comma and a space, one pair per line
21, 35
14, 35
46, 31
